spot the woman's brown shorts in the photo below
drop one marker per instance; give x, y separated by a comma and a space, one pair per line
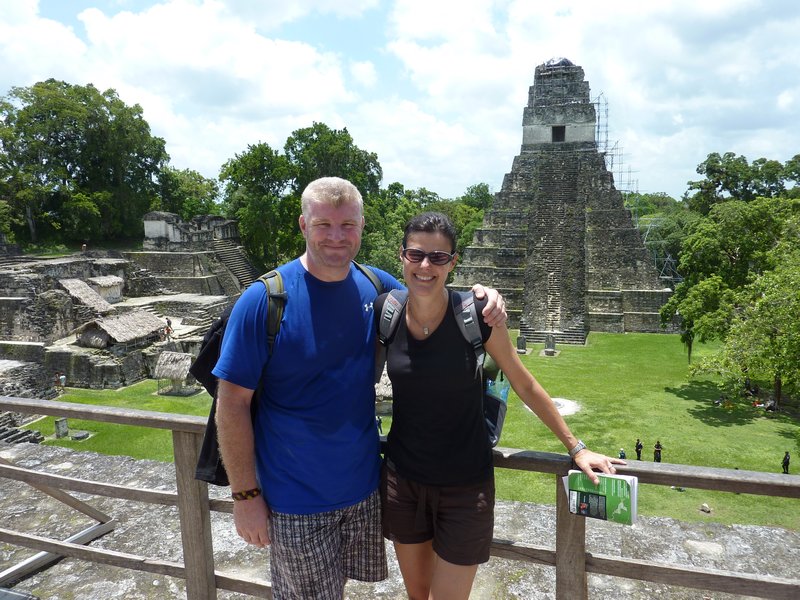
459, 519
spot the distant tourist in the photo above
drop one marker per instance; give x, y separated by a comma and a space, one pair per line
62, 379
639, 447
622, 453
785, 462
657, 451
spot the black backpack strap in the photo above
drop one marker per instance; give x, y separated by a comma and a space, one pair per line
392, 309
370, 274
210, 467
276, 301
467, 320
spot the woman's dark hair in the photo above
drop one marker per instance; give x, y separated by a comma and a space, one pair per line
431, 222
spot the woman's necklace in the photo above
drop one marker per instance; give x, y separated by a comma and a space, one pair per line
433, 322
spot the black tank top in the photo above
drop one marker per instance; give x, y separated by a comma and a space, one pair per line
438, 435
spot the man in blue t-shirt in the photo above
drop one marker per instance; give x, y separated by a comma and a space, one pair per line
304, 474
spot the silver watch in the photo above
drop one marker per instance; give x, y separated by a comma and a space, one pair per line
578, 447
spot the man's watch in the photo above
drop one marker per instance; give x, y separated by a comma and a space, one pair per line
578, 447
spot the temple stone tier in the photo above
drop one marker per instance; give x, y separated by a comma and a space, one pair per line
558, 241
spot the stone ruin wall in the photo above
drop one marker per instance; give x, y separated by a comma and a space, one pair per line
190, 272
166, 231
35, 308
35, 312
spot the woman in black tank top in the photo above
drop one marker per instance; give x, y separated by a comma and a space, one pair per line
438, 482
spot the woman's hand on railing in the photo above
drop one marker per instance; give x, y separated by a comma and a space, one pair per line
588, 461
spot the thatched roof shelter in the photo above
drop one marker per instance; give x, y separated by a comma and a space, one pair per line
131, 327
172, 372
81, 291
173, 365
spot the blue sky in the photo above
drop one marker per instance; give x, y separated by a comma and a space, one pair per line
436, 88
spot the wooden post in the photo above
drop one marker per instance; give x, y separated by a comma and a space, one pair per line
195, 518
571, 581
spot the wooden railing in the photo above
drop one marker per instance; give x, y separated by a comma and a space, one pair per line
570, 559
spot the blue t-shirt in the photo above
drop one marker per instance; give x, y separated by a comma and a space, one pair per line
317, 446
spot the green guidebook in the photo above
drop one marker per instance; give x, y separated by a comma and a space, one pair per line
613, 499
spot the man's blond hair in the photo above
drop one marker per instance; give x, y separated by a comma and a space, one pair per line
334, 191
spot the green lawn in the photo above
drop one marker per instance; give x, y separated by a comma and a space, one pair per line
628, 386
124, 440
637, 385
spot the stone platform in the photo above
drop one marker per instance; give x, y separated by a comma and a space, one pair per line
153, 530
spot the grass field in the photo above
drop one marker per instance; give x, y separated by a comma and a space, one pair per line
627, 386
124, 440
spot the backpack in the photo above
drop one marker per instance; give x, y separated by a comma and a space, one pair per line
495, 391
209, 463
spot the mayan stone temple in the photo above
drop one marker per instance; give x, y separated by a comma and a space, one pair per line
558, 241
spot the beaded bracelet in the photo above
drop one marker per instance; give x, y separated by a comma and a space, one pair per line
247, 494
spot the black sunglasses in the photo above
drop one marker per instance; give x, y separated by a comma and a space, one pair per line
437, 257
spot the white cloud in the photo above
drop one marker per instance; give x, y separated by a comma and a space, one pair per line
420, 150
786, 99
364, 73
440, 99
201, 55
270, 14
33, 49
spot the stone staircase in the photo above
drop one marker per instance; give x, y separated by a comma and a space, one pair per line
554, 236
14, 261
234, 259
202, 318
574, 335
498, 254
13, 435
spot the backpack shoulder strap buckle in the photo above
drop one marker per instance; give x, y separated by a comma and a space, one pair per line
467, 321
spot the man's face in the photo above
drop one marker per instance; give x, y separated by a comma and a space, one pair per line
333, 235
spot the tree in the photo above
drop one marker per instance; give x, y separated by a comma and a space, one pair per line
791, 169
319, 151
64, 147
704, 309
731, 177
256, 183
477, 196
386, 214
643, 204
724, 252
187, 193
768, 178
726, 176
5, 220
764, 338
664, 224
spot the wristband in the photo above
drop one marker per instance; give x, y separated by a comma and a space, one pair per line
578, 447
246, 494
